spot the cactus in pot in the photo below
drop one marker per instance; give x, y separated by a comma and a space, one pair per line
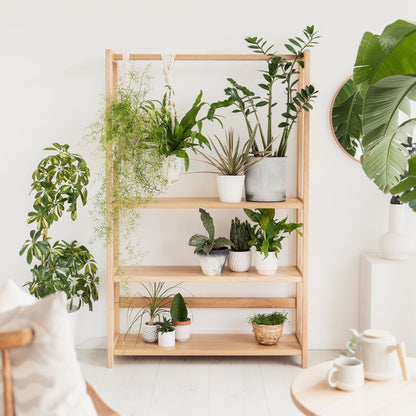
179, 314
239, 258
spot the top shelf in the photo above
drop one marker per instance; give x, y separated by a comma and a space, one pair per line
212, 203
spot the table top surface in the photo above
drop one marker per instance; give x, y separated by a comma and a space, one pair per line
314, 397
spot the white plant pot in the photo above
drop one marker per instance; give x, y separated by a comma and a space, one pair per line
230, 188
167, 339
266, 265
150, 332
395, 244
182, 330
239, 261
213, 264
73, 318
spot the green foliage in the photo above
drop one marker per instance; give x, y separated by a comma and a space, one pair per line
165, 326
268, 233
384, 73
247, 102
204, 243
175, 136
59, 181
273, 318
157, 296
240, 235
178, 309
347, 117
230, 159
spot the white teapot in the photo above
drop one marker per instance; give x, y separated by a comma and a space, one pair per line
378, 351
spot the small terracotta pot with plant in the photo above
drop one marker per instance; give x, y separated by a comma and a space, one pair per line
268, 327
179, 314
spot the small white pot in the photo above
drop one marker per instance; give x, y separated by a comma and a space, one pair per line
150, 332
230, 188
167, 339
395, 244
182, 330
266, 265
239, 261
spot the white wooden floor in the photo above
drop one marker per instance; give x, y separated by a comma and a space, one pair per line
196, 386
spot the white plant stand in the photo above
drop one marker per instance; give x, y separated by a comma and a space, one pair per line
387, 297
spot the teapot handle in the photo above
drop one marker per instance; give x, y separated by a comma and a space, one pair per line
401, 352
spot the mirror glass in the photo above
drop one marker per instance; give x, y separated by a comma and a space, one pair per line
346, 118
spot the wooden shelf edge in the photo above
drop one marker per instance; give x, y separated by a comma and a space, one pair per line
286, 274
210, 345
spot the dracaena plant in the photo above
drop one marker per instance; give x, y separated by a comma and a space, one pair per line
279, 70
231, 158
268, 233
59, 182
206, 244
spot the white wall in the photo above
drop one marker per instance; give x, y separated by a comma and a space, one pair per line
52, 78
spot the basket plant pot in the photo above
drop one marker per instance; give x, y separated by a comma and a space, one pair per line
166, 339
239, 261
150, 332
266, 265
212, 264
268, 334
182, 330
230, 188
266, 180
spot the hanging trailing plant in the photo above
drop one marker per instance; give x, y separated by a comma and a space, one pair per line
59, 182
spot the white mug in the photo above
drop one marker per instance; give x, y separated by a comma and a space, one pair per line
347, 374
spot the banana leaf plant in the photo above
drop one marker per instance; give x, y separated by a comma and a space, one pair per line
385, 74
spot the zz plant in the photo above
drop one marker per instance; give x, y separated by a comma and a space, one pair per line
59, 182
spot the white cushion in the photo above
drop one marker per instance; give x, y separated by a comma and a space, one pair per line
47, 379
12, 296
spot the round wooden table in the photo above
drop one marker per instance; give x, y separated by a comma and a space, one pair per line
312, 395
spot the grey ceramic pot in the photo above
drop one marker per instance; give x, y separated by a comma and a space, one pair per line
213, 264
266, 180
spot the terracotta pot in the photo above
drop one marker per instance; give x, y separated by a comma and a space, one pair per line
182, 330
268, 334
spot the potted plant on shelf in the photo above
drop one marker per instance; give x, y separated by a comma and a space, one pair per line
165, 333
60, 181
231, 161
212, 252
267, 236
157, 297
268, 328
179, 314
266, 181
239, 258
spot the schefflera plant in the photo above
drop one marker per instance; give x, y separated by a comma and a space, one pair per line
212, 252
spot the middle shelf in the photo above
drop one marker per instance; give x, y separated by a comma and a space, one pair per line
289, 274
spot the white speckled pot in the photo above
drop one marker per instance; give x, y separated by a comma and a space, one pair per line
150, 332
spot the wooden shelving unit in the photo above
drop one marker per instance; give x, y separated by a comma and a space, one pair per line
212, 344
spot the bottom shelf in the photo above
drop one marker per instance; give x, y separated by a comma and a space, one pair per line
209, 345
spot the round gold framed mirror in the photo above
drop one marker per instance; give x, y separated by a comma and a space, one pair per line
346, 119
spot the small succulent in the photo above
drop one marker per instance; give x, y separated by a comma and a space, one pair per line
207, 244
178, 309
240, 235
165, 326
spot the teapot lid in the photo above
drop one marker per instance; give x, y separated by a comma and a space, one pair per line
376, 333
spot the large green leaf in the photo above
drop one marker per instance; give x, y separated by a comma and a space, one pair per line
347, 117
391, 53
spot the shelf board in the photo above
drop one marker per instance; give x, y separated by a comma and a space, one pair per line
193, 274
211, 203
209, 345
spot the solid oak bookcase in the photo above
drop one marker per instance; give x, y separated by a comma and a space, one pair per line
211, 344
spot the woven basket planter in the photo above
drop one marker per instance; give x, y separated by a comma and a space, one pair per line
268, 334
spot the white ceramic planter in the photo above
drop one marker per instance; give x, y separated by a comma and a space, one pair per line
266, 265
167, 339
239, 261
150, 332
182, 330
213, 264
230, 188
395, 244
